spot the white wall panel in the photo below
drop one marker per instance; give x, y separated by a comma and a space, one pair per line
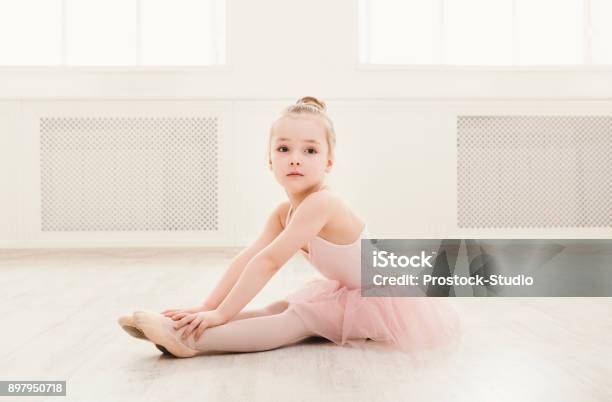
10, 193
396, 166
60, 229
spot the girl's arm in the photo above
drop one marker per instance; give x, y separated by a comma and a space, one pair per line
271, 230
310, 217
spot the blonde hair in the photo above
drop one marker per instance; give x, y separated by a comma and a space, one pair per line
313, 106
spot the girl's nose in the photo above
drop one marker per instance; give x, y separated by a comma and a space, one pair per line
295, 163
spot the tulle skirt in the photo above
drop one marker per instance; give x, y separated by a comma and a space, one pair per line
343, 316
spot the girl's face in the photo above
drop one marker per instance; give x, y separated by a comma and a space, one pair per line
299, 154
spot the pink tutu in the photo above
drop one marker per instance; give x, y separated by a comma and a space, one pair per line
343, 316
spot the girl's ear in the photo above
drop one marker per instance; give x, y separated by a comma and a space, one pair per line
330, 163
270, 164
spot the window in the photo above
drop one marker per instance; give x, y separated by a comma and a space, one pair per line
112, 32
485, 32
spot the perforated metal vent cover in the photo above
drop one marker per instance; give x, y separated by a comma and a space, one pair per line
129, 174
534, 171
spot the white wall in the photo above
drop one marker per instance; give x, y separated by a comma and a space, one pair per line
396, 162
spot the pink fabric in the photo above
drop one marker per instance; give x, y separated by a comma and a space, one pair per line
332, 307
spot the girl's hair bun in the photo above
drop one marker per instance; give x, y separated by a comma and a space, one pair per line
310, 100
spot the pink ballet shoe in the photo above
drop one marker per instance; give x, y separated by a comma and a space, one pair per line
154, 327
127, 323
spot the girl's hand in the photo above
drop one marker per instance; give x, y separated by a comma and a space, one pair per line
177, 314
198, 322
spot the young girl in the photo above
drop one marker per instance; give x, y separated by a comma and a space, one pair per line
317, 223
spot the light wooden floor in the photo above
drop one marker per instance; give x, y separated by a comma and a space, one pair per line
59, 311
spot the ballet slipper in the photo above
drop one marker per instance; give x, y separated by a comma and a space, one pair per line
128, 325
160, 330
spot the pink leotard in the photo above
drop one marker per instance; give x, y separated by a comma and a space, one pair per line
332, 307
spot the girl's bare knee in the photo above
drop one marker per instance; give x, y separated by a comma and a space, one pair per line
277, 307
302, 331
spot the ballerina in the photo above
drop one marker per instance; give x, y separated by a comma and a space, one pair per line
317, 223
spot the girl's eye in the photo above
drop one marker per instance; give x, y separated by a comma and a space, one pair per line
314, 151
282, 148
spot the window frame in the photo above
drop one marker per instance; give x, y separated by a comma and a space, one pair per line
50, 68
370, 67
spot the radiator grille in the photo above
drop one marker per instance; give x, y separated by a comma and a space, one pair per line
534, 171
129, 173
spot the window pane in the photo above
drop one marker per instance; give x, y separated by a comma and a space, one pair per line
101, 32
219, 31
601, 17
400, 31
180, 32
30, 32
550, 31
478, 31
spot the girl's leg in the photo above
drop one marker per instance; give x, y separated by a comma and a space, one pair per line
127, 321
271, 309
245, 335
252, 334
